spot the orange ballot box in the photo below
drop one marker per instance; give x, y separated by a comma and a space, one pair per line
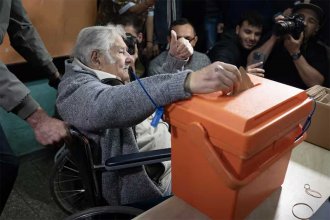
230, 152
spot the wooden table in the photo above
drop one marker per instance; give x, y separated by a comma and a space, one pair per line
309, 164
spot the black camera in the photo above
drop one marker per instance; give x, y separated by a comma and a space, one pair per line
292, 25
130, 41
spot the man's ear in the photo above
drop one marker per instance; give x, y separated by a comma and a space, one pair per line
196, 39
317, 28
95, 59
237, 29
140, 37
193, 43
169, 39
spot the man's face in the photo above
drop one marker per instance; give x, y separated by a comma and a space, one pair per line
131, 30
248, 35
186, 31
121, 59
311, 22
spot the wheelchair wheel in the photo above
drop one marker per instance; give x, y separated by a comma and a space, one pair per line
66, 186
106, 212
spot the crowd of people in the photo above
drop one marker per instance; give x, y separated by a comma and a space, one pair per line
240, 33
152, 40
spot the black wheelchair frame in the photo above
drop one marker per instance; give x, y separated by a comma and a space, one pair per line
75, 180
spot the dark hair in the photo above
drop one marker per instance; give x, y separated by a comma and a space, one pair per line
319, 11
252, 17
181, 21
130, 19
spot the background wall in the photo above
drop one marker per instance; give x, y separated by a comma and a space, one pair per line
58, 23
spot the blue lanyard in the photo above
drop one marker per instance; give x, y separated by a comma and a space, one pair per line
159, 109
308, 121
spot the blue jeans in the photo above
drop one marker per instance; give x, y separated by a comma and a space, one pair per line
8, 169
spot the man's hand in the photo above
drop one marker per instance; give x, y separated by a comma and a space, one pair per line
253, 69
292, 45
54, 80
47, 130
287, 12
279, 18
217, 76
180, 48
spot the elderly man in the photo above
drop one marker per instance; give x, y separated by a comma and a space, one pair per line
106, 113
167, 62
300, 62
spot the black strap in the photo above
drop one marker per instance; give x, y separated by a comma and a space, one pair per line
112, 81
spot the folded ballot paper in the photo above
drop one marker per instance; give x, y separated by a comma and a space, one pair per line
245, 84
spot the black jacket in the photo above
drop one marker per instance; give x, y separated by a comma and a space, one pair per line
229, 50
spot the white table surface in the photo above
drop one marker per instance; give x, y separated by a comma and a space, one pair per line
309, 164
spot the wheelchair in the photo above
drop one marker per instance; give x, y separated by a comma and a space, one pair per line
75, 179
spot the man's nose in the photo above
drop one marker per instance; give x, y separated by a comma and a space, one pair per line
252, 37
129, 59
128, 56
305, 21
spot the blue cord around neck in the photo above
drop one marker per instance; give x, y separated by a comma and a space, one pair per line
144, 89
159, 109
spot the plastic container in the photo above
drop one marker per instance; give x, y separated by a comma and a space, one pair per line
229, 153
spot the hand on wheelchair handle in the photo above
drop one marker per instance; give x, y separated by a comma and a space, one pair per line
55, 80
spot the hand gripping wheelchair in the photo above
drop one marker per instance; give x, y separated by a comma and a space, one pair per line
75, 181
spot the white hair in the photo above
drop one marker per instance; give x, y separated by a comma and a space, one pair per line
96, 38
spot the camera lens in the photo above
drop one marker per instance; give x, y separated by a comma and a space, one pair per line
293, 25
130, 43
284, 27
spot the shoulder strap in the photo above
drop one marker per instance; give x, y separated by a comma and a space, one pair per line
112, 81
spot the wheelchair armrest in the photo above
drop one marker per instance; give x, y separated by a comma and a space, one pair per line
137, 159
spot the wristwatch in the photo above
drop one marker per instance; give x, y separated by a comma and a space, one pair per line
295, 56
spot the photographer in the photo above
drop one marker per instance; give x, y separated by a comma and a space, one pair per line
296, 60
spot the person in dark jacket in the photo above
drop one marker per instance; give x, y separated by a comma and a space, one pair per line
300, 62
235, 46
15, 97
